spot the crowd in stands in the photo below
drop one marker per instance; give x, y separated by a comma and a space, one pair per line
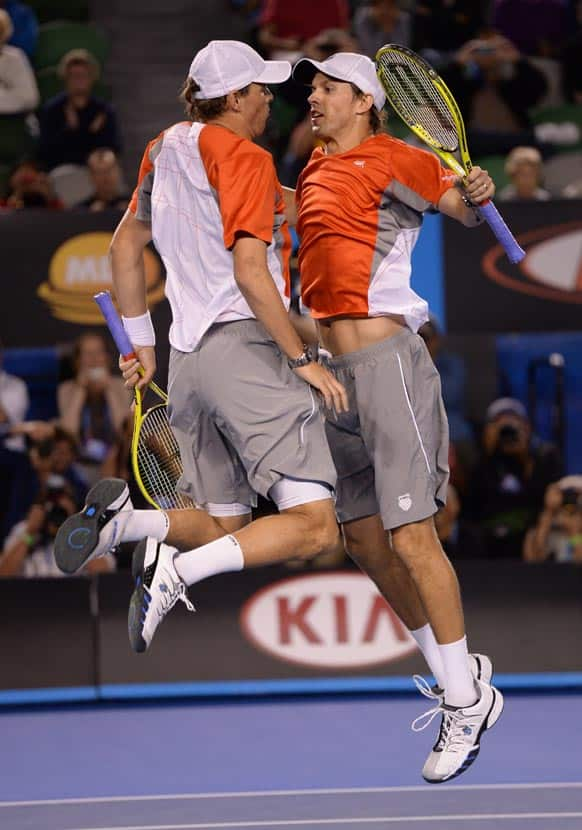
515, 67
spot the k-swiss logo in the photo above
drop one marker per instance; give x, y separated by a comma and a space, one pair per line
404, 501
334, 620
360, 163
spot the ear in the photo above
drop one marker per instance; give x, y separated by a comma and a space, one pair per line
364, 104
233, 101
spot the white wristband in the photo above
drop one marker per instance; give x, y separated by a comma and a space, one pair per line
140, 330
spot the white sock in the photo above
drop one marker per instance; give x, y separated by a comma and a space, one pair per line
430, 649
216, 557
459, 682
144, 523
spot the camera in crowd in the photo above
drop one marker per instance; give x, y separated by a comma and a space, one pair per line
572, 500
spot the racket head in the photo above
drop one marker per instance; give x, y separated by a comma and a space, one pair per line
420, 97
155, 454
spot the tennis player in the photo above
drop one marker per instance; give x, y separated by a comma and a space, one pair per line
361, 200
242, 390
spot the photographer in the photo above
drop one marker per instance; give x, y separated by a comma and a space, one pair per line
93, 405
507, 489
557, 534
28, 550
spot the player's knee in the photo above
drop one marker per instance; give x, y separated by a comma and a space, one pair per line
416, 543
321, 531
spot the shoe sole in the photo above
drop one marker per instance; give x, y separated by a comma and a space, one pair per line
78, 536
491, 719
136, 603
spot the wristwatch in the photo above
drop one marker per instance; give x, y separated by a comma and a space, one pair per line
308, 355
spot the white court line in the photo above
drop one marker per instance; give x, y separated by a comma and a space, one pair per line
359, 821
427, 788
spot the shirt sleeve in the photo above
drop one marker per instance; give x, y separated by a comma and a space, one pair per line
246, 186
419, 179
141, 201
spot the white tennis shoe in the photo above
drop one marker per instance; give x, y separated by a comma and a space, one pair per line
157, 589
97, 529
459, 739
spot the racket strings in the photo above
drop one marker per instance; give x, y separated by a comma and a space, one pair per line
416, 99
159, 462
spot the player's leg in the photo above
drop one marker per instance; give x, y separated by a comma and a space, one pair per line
409, 490
368, 544
304, 529
269, 422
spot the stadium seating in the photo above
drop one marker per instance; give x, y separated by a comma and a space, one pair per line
16, 141
58, 38
48, 10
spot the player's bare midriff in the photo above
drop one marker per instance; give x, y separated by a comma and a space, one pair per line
341, 335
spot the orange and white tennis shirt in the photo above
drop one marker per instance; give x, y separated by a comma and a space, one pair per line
200, 186
359, 217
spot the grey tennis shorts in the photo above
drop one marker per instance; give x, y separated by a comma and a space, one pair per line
391, 449
242, 418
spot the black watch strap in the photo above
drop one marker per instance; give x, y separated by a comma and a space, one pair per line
308, 355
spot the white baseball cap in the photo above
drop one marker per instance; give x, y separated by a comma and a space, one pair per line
344, 66
225, 66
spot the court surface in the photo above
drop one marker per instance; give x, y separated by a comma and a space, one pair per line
305, 763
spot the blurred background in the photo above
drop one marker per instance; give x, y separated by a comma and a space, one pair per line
84, 85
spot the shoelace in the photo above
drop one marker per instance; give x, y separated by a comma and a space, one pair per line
424, 720
178, 592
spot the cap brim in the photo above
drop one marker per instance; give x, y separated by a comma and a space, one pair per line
275, 72
305, 70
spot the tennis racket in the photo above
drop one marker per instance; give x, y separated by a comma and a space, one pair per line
424, 102
155, 456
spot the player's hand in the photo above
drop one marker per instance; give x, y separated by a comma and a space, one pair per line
553, 498
334, 394
478, 185
138, 372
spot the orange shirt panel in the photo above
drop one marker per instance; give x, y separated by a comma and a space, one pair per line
245, 180
146, 169
340, 201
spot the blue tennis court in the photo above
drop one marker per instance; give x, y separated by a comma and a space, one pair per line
309, 763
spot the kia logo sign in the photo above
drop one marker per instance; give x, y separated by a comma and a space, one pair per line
552, 268
332, 620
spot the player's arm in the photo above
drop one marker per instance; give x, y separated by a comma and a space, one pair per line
477, 187
290, 205
128, 273
256, 284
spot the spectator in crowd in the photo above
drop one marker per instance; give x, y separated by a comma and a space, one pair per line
524, 167
18, 89
25, 26
93, 405
30, 187
494, 84
64, 463
107, 180
29, 548
14, 403
536, 27
452, 370
285, 27
557, 534
75, 122
379, 22
459, 538
508, 484
444, 25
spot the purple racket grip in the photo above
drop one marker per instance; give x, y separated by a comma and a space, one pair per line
495, 221
114, 323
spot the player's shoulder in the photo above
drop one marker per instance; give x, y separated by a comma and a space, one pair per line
401, 150
221, 144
